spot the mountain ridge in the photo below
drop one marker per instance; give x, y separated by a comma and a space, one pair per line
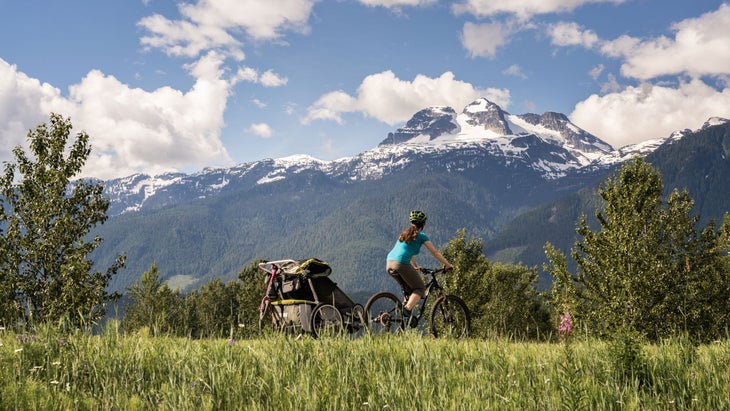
549, 143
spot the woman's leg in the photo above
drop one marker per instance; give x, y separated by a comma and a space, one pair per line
409, 279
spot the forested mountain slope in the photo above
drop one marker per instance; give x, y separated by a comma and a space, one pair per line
698, 162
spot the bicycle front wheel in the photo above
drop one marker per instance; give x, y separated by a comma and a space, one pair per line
450, 317
384, 313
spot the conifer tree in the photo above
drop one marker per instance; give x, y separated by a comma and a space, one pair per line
154, 305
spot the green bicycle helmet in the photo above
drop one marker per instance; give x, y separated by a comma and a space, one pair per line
417, 217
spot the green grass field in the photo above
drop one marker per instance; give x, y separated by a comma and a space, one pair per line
52, 371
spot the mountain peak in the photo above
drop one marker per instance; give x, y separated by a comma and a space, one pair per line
484, 123
714, 121
482, 104
487, 115
432, 122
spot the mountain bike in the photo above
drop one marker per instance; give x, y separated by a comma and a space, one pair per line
449, 315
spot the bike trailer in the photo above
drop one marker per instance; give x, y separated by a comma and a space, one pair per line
303, 285
313, 284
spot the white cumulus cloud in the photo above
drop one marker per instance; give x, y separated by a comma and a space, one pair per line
571, 34
483, 40
596, 71
391, 100
132, 130
266, 79
674, 73
211, 25
699, 47
648, 111
271, 79
25, 103
262, 130
514, 70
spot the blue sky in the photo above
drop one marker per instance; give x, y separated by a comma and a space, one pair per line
162, 85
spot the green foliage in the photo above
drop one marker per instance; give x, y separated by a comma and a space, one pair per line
502, 298
253, 287
45, 274
626, 354
697, 163
647, 269
350, 224
523, 238
153, 305
216, 309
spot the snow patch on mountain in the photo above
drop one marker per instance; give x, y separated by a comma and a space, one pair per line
714, 121
140, 187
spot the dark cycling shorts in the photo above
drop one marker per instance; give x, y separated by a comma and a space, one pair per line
407, 277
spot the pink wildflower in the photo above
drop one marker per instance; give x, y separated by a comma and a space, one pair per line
566, 325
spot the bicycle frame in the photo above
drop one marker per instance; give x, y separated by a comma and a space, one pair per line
266, 300
448, 313
431, 285
273, 272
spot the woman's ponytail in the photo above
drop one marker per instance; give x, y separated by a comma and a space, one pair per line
411, 232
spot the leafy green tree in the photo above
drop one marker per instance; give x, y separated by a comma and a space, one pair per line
216, 309
45, 272
252, 289
647, 268
154, 305
502, 298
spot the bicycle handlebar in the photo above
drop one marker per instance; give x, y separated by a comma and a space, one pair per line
434, 271
268, 265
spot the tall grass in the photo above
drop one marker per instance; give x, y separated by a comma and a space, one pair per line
49, 370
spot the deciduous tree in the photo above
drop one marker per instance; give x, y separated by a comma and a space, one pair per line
45, 270
502, 298
647, 268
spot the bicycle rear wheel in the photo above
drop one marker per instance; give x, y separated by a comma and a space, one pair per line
450, 317
384, 313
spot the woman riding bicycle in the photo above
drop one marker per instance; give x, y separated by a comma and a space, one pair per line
401, 261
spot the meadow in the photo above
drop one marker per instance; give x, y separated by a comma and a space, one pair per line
111, 370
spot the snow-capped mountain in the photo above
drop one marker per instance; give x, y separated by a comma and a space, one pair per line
548, 144
484, 122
